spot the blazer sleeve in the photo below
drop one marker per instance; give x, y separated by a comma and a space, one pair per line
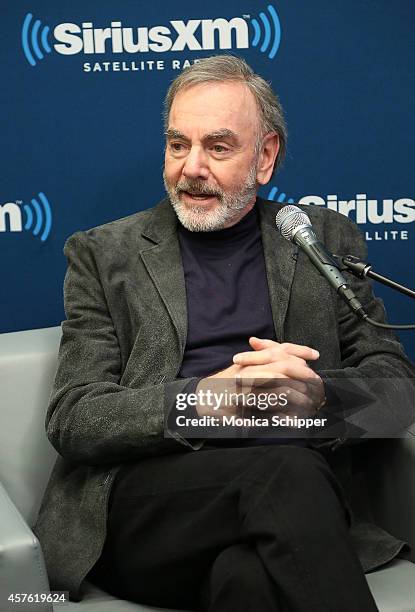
375, 384
92, 418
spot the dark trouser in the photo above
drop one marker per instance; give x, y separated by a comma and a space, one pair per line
259, 528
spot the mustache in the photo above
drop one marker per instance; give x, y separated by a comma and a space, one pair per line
196, 187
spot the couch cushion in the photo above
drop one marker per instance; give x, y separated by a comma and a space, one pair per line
27, 368
96, 600
393, 586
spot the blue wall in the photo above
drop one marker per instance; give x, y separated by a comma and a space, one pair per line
82, 134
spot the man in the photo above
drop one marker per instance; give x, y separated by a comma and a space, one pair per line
172, 300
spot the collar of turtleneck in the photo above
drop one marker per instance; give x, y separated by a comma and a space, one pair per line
226, 238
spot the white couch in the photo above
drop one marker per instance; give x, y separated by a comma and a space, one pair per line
27, 367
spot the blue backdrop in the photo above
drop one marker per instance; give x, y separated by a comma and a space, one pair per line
81, 98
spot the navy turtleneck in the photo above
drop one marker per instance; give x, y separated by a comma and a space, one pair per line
227, 294
227, 302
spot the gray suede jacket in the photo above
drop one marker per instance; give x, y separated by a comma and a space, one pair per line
122, 347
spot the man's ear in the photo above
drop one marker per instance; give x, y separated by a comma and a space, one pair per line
267, 155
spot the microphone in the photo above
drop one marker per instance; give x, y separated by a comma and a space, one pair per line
294, 225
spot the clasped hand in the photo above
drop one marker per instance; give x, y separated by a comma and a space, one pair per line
273, 367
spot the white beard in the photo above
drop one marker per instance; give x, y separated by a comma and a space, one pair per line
197, 218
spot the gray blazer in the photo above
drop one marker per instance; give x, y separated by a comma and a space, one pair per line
122, 347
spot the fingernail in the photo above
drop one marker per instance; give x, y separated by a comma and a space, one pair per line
316, 354
236, 358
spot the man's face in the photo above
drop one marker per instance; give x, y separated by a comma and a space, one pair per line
210, 169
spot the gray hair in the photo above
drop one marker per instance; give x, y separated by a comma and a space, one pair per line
231, 68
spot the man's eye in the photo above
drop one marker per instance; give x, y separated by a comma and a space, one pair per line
176, 146
219, 149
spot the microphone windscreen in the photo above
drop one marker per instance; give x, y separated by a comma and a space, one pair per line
289, 218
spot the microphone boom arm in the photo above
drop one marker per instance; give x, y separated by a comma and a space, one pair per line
294, 225
362, 270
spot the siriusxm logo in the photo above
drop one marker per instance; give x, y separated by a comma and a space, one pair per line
362, 209
281, 198
366, 210
35, 217
70, 38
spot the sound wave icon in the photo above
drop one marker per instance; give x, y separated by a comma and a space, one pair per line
39, 216
39, 40
272, 32
281, 198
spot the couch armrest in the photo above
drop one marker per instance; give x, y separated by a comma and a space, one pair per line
390, 480
22, 567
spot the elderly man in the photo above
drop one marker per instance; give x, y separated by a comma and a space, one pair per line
171, 300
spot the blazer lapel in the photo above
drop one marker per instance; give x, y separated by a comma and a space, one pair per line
280, 262
162, 259
163, 262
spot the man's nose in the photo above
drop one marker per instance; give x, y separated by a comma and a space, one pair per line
196, 164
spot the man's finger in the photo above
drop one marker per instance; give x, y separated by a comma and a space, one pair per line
263, 357
294, 368
298, 350
299, 404
261, 342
